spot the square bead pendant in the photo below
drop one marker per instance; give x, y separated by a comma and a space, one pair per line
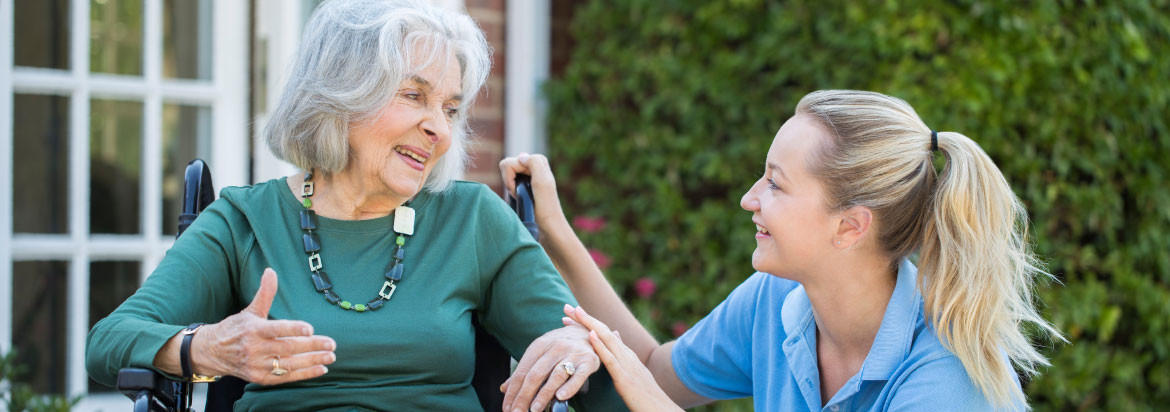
404, 220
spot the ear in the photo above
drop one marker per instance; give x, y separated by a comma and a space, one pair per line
853, 225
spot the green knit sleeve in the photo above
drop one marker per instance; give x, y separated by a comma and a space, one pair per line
525, 295
193, 283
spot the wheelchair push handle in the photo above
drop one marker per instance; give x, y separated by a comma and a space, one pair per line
198, 192
524, 203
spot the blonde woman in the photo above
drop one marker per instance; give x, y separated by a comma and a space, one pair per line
838, 318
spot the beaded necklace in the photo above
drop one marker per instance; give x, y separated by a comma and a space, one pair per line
403, 228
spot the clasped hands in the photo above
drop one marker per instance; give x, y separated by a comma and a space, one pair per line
556, 364
585, 343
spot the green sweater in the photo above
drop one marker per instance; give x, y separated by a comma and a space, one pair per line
469, 256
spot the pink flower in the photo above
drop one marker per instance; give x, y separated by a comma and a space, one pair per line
645, 287
599, 258
589, 224
679, 328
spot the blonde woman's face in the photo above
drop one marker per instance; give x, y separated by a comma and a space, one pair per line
794, 230
400, 146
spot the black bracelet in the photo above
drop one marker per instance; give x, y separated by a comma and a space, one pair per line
185, 350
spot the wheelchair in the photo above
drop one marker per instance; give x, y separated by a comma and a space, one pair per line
151, 391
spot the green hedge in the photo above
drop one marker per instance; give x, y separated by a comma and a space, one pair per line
667, 107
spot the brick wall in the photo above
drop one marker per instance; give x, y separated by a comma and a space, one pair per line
487, 116
561, 41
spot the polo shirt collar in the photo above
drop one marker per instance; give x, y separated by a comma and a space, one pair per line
891, 346
796, 313
892, 343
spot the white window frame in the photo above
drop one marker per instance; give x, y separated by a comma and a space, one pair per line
227, 96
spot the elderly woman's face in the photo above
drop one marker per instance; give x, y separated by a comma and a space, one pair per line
400, 145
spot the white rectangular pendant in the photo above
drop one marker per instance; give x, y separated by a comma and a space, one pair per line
404, 220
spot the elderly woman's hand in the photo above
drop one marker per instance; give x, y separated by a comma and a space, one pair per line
249, 346
557, 363
544, 186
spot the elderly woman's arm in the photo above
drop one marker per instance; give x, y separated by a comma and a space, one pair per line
194, 283
587, 282
523, 297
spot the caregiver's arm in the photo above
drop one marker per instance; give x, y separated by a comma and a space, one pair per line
585, 279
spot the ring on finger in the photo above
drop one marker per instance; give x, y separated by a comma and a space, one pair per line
569, 368
276, 369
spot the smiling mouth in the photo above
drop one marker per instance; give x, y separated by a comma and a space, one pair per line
761, 229
408, 152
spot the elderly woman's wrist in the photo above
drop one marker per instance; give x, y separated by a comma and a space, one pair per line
167, 357
202, 359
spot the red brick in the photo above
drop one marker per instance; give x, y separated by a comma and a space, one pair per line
489, 4
495, 36
489, 130
485, 159
489, 103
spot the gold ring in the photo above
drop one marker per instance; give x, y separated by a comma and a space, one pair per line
276, 369
569, 367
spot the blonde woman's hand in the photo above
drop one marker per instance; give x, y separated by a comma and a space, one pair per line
245, 345
633, 380
544, 186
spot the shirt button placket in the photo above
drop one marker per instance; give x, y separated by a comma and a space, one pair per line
835, 408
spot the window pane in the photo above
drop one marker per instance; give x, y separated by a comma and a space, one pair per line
186, 135
115, 153
42, 33
115, 36
187, 39
41, 157
38, 320
110, 283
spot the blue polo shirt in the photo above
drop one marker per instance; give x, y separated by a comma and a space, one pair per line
761, 342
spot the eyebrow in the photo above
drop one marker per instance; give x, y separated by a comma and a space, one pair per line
426, 84
777, 168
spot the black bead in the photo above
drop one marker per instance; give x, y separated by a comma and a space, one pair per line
309, 175
321, 281
308, 219
375, 304
332, 297
395, 273
312, 243
399, 253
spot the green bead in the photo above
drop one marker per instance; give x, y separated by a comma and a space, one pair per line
308, 203
345, 304
359, 307
400, 241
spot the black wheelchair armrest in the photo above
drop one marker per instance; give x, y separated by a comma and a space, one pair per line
150, 390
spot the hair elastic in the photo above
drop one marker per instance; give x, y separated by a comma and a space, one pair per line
933, 141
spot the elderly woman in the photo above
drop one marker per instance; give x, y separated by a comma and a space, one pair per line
838, 318
383, 258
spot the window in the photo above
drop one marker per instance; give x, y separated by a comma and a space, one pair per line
102, 103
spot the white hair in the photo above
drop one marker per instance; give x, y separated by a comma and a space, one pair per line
353, 56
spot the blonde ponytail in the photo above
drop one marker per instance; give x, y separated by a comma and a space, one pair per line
975, 267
